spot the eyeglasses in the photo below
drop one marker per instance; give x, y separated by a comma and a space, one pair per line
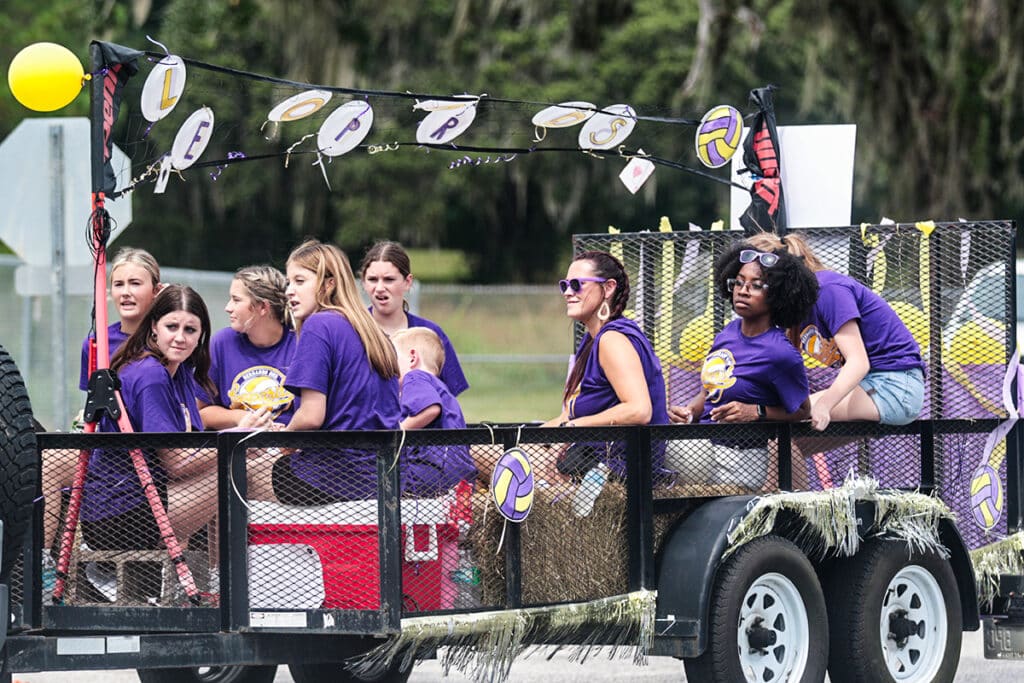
753, 285
765, 258
576, 283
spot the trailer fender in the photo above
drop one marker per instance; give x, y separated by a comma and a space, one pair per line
963, 570
687, 567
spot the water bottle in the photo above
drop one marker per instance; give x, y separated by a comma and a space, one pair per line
467, 581
590, 488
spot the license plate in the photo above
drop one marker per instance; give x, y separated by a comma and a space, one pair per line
1003, 640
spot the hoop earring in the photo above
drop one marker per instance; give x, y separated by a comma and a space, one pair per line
604, 312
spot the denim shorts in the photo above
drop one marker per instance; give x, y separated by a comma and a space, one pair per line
898, 394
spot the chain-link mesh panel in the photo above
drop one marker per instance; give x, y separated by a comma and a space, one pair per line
951, 284
119, 554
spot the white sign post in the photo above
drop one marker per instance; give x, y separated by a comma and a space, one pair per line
45, 189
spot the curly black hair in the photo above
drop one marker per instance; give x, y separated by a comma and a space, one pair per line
792, 287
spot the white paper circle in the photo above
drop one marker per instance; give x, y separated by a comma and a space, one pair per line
163, 88
449, 105
192, 138
300, 106
346, 127
564, 115
444, 125
604, 131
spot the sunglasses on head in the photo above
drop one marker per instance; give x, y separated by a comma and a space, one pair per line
576, 283
765, 258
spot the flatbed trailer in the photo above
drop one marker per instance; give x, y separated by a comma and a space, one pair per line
893, 549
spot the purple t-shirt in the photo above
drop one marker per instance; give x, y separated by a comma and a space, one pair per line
330, 358
451, 373
432, 470
115, 337
762, 370
155, 402
841, 298
596, 393
251, 376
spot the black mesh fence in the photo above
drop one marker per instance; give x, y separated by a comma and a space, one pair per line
952, 284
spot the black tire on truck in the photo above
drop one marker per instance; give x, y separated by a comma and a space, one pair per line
210, 674
337, 673
894, 615
767, 618
18, 471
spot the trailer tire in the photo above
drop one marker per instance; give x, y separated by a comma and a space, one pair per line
885, 584
210, 674
18, 471
337, 673
767, 581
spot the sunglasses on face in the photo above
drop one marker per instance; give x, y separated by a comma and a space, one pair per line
753, 285
576, 283
765, 258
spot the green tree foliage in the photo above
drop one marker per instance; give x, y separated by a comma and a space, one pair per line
934, 87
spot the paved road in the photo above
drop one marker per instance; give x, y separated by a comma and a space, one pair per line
973, 669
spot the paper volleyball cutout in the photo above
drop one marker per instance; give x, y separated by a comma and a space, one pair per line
346, 127
163, 88
719, 135
986, 497
564, 115
608, 128
300, 106
192, 138
512, 485
446, 121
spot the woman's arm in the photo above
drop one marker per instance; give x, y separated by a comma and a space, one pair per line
218, 417
691, 411
311, 413
622, 367
855, 367
182, 464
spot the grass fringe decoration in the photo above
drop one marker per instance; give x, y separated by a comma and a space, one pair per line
989, 561
828, 519
483, 645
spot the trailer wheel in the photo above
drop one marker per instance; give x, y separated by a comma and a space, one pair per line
210, 674
17, 461
893, 616
337, 673
767, 611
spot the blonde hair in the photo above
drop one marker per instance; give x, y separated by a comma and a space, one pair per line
138, 257
265, 285
793, 243
328, 262
426, 341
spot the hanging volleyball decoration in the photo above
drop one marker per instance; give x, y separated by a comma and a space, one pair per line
608, 128
163, 88
346, 127
986, 497
299, 106
192, 138
719, 135
447, 120
512, 485
564, 115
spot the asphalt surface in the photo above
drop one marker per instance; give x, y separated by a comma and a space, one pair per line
536, 669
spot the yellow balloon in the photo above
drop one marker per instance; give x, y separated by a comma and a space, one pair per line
45, 76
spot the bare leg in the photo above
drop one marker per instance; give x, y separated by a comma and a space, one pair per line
58, 474
855, 406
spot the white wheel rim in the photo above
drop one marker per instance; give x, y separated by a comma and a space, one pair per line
913, 596
774, 603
